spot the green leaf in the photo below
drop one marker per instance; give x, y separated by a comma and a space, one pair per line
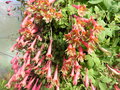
107, 3
95, 1
95, 59
105, 79
101, 36
102, 86
96, 9
90, 63
108, 32
71, 9
91, 72
101, 22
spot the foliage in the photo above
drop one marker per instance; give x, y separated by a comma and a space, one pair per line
66, 45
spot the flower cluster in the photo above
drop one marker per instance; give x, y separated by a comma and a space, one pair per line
44, 9
34, 67
37, 66
81, 41
9, 8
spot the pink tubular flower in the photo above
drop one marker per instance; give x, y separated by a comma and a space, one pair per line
28, 60
13, 47
92, 86
45, 68
39, 38
9, 14
25, 21
72, 73
15, 66
49, 77
36, 58
77, 66
77, 74
86, 81
55, 79
57, 88
13, 78
51, 1
33, 29
81, 54
24, 81
49, 85
40, 62
30, 1
21, 40
81, 9
14, 59
8, 9
76, 6
35, 85
39, 86
76, 77
22, 70
71, 50
30, 83
25, 57
116, 87
7, 2
84, 43
117, 72
49, 55
32, 45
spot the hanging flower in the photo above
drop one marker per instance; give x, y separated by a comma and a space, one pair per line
86, 81
49, 55
7, 2
55, 78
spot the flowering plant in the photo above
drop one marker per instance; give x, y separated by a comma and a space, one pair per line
58, 46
